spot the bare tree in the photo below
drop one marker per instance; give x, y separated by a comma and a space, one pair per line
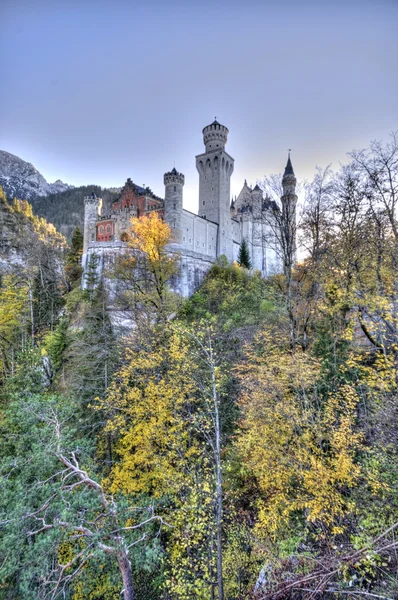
279, 218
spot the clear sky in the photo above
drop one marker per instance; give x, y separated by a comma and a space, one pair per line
95, 91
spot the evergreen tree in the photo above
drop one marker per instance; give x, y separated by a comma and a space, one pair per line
91, 351
73, 259
244, 255
91, 277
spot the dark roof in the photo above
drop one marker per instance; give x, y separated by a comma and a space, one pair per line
270, 204
215, 122
289, 167
256, 189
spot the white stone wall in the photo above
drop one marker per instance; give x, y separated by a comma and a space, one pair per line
199, 235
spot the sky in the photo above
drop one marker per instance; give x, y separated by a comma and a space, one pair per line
95, 91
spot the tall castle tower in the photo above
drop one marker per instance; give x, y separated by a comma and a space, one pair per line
215, 168
92, 210
174, 183
289, 202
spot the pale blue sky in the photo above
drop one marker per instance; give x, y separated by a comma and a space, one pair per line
98, 91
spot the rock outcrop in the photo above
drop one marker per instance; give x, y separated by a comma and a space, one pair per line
21, 179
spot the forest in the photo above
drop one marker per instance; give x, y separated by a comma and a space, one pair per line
65, 210
237, 445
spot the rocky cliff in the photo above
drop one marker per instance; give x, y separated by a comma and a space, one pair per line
21, 179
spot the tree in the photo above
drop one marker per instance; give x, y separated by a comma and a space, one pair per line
164, 411
90, 352
301, 451
73, 266
279, 231
61, 517
146, 271
13, 317
91, 276
244, 256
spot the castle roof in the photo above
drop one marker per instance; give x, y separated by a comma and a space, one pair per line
256, 189
289, 167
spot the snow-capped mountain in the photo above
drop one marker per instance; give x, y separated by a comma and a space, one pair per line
21, 179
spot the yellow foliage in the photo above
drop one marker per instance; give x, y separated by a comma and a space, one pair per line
301, 453
150, 235
152, 401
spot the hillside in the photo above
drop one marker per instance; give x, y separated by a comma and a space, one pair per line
237, 444
59, 203
65, 210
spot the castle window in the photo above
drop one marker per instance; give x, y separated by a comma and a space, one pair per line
175, 205
108, 229
174, 225
204, 216
190, 240
175, 188
183, 239
204, 202
101, 230
209, 246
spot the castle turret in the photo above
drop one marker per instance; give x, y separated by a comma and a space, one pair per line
257, 200
289, 180
289, 199
92, 210
215, 168
174, 183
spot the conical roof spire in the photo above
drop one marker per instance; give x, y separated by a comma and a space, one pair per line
289, 167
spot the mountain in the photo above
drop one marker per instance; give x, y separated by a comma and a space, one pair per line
21, 179
59, 203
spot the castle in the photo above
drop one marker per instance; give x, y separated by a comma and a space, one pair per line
219, 227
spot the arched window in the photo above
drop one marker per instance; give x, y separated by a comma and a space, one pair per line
101, 230
108, 229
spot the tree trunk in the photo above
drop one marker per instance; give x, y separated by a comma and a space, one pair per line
292, 327
32, 318
125, 569
219, 499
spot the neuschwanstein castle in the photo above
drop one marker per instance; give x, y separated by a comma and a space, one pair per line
219, 227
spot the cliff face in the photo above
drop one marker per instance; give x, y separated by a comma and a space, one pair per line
23, 235
9, 244
21, 179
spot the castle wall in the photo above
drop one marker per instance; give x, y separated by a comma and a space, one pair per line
199, 235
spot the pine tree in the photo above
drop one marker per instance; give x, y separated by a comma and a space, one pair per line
91, 275
244, 255
73, 259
